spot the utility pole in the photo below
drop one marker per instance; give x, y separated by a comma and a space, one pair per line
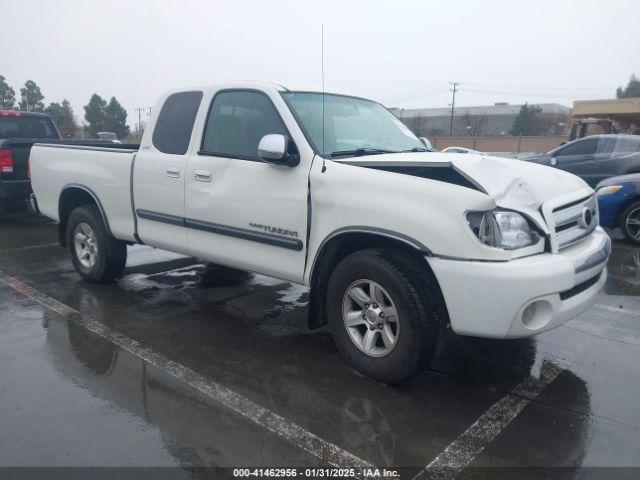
139, 110
453, 103
147, 110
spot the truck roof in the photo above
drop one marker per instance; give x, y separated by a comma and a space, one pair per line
20, 113
261, 86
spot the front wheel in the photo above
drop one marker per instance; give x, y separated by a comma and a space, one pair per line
96, 256
630, 222
386, 315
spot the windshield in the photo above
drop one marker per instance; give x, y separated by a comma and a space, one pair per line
352, 125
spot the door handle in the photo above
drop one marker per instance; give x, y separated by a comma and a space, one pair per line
173, 172
202, 175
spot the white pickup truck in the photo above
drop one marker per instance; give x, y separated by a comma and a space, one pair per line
396, 243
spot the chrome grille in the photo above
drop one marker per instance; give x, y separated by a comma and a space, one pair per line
575, 221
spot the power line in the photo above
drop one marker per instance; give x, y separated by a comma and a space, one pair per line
520, 94
514, 92
413, 99
538, 87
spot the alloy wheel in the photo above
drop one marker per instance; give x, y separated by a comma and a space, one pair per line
371, 318
86, 247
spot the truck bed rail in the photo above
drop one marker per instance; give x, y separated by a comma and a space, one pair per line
118, 147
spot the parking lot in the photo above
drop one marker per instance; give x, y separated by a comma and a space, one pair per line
188, 365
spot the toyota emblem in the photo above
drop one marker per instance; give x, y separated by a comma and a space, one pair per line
586, 218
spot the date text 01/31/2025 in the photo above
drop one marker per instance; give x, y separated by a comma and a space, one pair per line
316, 472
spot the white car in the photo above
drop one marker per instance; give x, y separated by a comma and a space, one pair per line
396, 243
461, 150
108, 136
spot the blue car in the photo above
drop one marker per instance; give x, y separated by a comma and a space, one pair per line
619, 204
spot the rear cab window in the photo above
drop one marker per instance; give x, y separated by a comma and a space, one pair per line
174, 125
25, 126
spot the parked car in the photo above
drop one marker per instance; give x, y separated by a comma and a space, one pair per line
108, 136
18, 132
461, 150
396, 243
619, 202
596, 157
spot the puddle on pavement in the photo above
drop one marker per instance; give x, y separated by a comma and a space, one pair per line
186, 285
624, 271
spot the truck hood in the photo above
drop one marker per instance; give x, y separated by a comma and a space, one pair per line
513, 184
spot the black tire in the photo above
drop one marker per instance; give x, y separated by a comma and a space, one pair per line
632, 209
111, 255
422, 314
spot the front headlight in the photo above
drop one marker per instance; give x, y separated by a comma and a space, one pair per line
502, 229
610, 190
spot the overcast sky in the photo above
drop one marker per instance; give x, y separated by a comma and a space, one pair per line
402, 53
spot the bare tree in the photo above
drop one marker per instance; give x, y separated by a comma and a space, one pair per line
553, 123
473, 124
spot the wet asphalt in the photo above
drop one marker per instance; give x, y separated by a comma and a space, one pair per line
68, 397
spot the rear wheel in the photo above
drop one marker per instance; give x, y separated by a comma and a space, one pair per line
96, 256
386, 315
630, 222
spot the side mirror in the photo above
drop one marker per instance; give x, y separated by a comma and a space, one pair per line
425, 141
274, 148
553, 161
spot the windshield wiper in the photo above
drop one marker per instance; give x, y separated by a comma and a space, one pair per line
417, 149
358, 152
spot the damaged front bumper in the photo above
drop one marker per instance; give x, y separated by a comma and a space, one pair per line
526, 296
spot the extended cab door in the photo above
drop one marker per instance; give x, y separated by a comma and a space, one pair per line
241, 211
159, 173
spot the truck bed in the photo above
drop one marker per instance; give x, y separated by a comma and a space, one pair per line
22, 146
103, 171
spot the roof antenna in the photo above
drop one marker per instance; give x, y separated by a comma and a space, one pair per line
324, 167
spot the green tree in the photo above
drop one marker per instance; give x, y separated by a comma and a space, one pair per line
95, 115
632, 89
62, 115
31, 97
116, 119
7, 95
528, 121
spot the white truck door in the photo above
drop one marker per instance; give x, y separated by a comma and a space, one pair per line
241, 211
159, 173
